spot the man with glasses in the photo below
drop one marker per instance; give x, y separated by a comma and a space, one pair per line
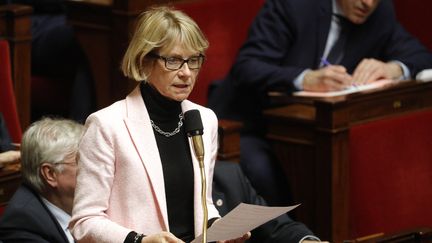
40, 209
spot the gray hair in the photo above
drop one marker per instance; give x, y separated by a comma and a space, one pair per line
48, 140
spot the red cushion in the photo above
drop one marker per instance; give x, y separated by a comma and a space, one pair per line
391, 174
413, 15
7, 97
225, 24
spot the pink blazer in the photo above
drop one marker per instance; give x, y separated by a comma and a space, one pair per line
120, 185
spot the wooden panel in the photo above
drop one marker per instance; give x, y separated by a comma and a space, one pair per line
15, 26
104, 31
10, 178
229, 140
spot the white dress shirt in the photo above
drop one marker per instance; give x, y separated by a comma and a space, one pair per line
62, 218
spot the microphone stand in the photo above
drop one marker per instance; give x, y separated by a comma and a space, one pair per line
194, 128
199, 153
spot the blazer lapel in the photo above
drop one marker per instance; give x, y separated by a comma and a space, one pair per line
138, 124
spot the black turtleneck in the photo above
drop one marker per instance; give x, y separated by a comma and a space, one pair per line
176, 162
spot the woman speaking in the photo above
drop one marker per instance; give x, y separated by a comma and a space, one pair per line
137, 179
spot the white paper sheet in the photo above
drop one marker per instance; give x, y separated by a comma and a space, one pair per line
425, 75
242, 219
350, 90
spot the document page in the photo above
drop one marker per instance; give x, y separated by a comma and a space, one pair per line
242, 219
425, 75
350, 90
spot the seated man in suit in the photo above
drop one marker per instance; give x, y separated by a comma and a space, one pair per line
40, 209
231, 187
312, 45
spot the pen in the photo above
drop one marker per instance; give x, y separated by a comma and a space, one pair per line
324, 62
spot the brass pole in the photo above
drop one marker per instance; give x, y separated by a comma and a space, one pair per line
199, 152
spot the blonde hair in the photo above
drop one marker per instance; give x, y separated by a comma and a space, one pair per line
160, 28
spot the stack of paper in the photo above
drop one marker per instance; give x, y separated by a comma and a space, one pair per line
353, 89
425, 75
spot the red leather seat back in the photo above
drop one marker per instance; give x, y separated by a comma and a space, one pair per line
225, 24
391, 174
7, 97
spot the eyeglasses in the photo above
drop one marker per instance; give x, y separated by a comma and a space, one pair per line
175, 63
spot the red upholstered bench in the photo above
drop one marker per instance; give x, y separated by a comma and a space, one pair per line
7, 97
391, 174
225, 24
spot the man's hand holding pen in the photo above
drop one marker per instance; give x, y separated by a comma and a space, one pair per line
328, 78
335, 77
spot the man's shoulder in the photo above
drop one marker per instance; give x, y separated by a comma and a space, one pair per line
24, 204
26, 218
23, 198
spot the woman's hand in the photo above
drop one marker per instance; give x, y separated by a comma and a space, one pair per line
163, 237
238, 240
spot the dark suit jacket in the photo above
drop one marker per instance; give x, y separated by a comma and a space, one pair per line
5, 140
231, 187
289, 36
27, 219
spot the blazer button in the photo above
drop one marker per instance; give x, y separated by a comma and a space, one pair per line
219, 202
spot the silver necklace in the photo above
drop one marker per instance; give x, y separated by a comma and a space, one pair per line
168, 134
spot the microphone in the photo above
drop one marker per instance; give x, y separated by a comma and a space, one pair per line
194, 129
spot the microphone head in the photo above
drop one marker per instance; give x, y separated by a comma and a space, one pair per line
193, 123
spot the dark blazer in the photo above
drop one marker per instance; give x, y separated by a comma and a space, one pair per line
231, 187
5, 140
289, 36
27, 219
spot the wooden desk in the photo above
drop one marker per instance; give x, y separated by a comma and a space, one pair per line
10, 179
311, 140
104, 31
229, 140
